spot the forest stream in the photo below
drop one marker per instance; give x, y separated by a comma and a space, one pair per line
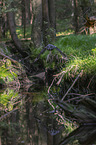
48, 72
33, 121
34, 109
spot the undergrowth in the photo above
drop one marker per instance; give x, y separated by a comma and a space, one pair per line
7, 72
80, 50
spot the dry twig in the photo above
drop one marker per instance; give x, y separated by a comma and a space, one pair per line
72, 85
14, 61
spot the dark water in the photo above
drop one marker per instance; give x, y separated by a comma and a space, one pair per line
32, 120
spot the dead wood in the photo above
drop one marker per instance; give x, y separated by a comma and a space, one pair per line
72, 85
81, 113
8, 113
5, 56
84, 135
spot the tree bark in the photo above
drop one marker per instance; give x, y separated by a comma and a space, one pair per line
27, 11
45, 21
48, 21
0, 22
12, 28
76, 21
23, 16
36, 31
22, 11
0, 27
52, 17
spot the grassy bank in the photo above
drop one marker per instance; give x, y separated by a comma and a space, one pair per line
81, 52
77, 95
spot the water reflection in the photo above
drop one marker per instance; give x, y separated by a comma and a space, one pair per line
32, 122
84, 135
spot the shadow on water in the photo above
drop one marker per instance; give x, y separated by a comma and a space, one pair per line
26, 118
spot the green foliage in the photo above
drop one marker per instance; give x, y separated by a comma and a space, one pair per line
81, 52
7, 72
7, 98
20, 32
69, 126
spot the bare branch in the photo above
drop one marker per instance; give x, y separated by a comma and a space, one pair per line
5, 115
72, 85
14, 61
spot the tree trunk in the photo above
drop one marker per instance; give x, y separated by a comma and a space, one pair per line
0, 27
2, 18
0, 22
23, 16
45, 21
13, 31
76, 21
27, 11
32, 27
22, 11
26, 16
48, 21
52, 17
36, 31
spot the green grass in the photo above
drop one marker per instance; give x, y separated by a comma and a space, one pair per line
81, 52
20, 32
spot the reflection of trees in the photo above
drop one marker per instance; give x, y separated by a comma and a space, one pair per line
84, 135
30, 124
39, 125
34, 123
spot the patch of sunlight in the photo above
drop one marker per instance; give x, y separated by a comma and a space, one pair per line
65, 33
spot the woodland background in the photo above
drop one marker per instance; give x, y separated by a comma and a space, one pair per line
41, 20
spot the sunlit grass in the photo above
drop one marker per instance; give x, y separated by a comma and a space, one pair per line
81, 52
20, 32
67, 32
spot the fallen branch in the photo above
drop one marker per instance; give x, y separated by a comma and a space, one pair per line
51, 85
81, 114
79, 97
64, 72
90, 81
72, 85
14, 61
8, 113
